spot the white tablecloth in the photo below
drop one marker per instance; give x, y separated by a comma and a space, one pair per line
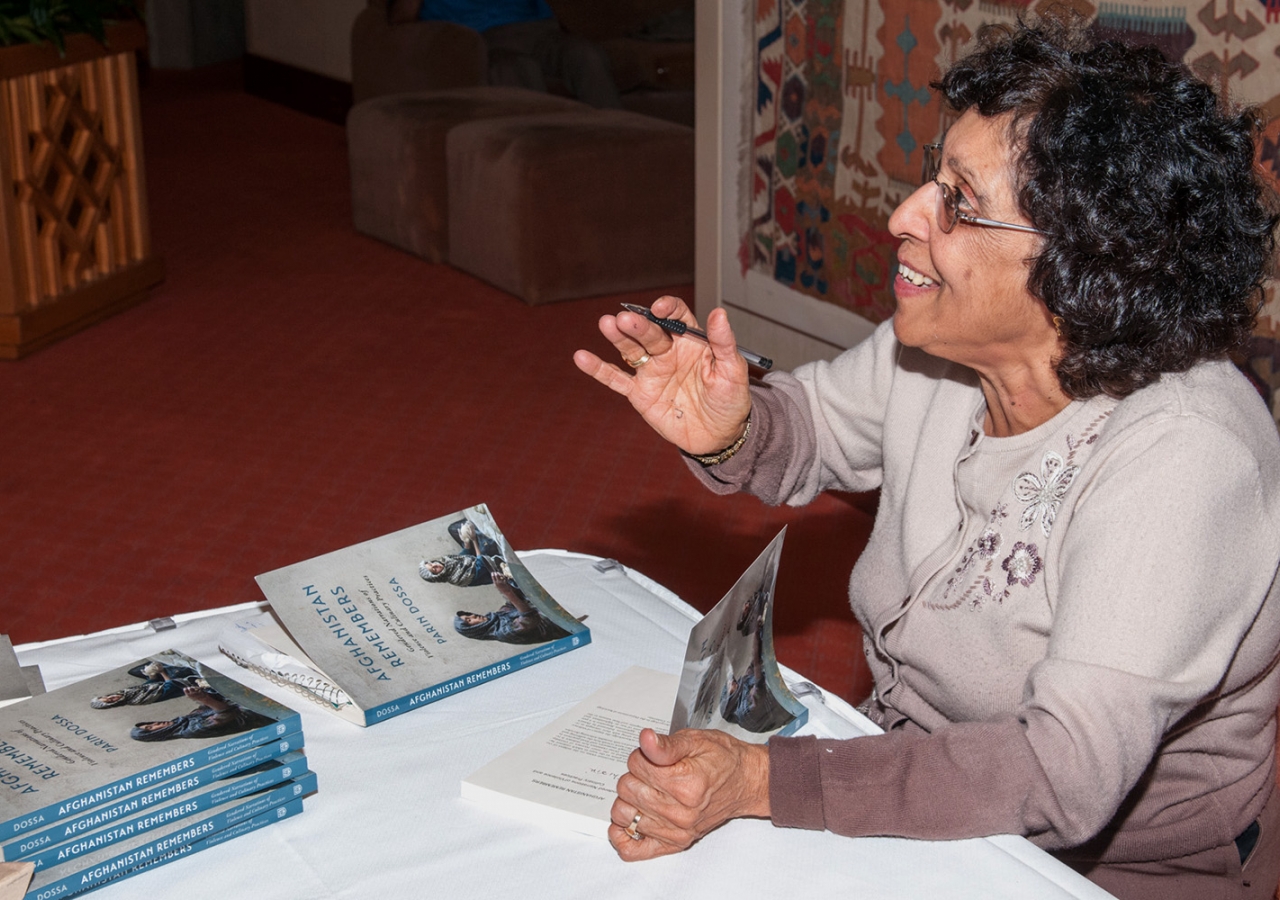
388, 821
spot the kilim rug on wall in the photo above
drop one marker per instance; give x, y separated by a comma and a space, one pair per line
842, 108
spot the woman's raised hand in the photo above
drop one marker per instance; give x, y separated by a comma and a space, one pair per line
692, 393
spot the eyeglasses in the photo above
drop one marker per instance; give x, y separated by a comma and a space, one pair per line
948, 209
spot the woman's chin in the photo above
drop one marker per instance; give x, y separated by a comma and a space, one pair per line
905, 327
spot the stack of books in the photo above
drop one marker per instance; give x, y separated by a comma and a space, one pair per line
139, 767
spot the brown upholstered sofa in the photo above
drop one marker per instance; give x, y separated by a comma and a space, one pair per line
540, 195
655, 77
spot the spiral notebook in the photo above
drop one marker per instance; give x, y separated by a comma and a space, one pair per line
259, 644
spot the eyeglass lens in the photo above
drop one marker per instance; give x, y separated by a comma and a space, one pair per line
948, 202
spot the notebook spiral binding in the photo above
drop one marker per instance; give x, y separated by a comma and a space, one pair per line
315, 689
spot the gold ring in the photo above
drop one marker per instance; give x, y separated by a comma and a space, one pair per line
637, 363
633, 830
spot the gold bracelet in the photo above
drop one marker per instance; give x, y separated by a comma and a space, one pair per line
715, 459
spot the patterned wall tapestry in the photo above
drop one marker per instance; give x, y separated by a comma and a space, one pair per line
842, 109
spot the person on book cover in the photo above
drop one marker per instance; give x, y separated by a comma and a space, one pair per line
216, 716
753, 610
1069, 601
747, 701
480, 558
163, 682
517, 621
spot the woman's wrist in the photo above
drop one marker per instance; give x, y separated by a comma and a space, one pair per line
715, 459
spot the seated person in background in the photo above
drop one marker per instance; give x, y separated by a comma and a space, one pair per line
527, 47
1069, 601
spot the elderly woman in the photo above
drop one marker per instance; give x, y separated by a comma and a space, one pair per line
1069, 599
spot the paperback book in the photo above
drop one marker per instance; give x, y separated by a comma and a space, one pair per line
730, 680
150, 810
102, 739
566, 774
170, 842
382, 627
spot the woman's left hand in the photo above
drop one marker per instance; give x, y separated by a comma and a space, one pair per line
684, 786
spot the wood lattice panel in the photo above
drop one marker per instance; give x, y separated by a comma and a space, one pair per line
73, 177
73, 174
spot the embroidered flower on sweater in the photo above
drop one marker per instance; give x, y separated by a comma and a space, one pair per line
1022, 564
989, 542
1043, 494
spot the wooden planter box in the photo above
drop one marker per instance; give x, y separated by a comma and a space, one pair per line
73, 202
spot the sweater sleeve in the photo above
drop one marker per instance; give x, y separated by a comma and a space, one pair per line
819, 428
1165, 565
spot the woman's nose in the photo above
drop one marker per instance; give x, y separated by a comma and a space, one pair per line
914, 215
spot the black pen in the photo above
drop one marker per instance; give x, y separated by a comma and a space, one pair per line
675, 326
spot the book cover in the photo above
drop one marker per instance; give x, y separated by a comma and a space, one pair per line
173, 842
414, 616
567, 773
153, 809
93, 742
730, 680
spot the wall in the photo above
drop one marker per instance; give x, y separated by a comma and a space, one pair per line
314, 35
787, 325
183, 34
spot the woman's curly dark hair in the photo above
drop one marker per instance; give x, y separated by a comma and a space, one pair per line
1159, 230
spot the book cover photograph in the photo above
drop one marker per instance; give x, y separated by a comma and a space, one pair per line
730, 680
381, 627
93, 742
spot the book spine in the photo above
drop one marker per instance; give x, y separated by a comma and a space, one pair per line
165, 771
144, 858
67, 829
190, 806
477, 677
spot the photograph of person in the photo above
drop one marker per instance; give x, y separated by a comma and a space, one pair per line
480, 561
1069, 601
479, 558
517, 621
747, 701
214, 717
162, 682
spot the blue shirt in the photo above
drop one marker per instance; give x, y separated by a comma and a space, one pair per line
484, 14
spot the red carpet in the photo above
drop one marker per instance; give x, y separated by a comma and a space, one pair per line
294, 387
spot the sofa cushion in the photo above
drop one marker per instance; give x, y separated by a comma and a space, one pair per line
396, 146
554, 207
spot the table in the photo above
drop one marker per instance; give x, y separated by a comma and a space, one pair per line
388, 821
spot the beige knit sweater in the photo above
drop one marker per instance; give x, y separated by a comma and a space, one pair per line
1074, 631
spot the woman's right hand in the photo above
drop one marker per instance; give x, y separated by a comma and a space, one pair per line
692, 393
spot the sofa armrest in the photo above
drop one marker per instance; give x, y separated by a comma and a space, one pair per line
413, 56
